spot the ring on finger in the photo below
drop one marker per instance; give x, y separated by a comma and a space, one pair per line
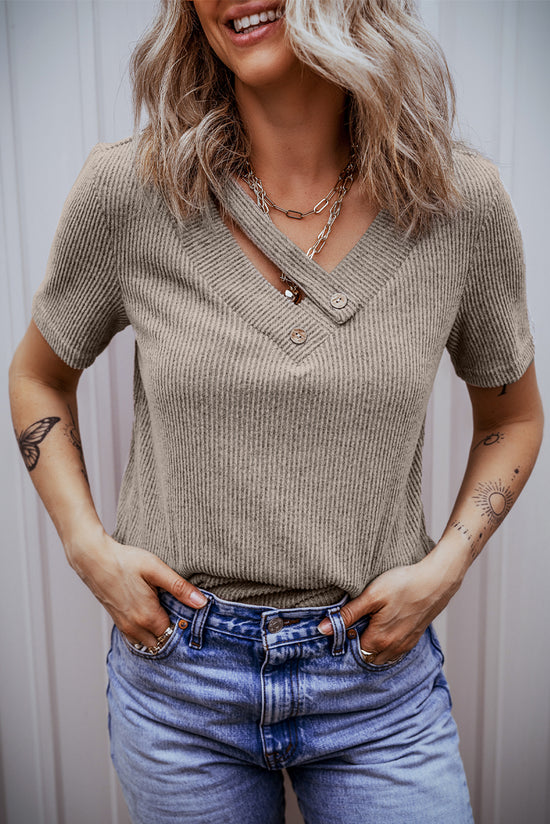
161, 640
368, 655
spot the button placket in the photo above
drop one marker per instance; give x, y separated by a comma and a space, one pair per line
354, 282
320, 286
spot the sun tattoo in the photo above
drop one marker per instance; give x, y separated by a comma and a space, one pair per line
494, 499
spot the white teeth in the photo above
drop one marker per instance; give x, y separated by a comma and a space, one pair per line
256, 19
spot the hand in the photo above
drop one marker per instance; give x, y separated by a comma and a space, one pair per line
401, 603
125, 579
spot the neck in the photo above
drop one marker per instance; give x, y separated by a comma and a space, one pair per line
298, 136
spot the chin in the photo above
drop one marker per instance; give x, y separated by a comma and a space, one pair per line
258, 72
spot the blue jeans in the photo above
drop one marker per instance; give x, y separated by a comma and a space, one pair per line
201, 730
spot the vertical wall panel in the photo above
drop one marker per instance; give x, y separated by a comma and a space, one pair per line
523, 763
64, 86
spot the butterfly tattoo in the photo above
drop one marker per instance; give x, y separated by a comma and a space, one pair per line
29, 439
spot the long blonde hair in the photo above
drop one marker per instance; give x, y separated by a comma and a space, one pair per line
401, 105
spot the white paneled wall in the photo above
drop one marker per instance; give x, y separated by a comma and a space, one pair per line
63, 87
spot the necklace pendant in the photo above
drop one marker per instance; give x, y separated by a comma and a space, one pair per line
293, 292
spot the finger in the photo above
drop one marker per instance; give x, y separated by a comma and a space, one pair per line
368, 645
139, 637
161, 575
147, 623
385, 649
364, 604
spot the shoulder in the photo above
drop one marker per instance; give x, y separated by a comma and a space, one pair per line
478, 179
112, 163
112, 166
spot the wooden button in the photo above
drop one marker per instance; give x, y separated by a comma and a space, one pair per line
298, 336
339, 300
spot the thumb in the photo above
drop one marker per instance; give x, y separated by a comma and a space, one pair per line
352, 610
161, 575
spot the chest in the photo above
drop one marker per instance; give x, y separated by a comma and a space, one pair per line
214, 332
356, 215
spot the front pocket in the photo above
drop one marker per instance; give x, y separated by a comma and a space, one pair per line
355, 645
165, 648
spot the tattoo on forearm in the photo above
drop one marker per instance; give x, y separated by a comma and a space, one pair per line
489, 440
462, 528
476, 544
502, 391
495, 501
71, 431
30, 437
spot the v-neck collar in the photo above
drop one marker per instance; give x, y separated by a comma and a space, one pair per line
330, 298
358, 275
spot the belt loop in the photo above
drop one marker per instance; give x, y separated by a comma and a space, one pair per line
338, 631
199, 621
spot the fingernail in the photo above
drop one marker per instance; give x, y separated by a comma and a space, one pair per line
198, 599
325, 626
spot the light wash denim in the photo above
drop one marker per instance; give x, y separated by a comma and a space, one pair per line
201, 730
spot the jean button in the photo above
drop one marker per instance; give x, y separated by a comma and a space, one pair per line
275, 625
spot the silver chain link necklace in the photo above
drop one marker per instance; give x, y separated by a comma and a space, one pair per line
340, 189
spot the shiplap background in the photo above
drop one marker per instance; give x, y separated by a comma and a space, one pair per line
64, 86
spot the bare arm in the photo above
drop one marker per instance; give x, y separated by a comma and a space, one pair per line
507, 433
45, 417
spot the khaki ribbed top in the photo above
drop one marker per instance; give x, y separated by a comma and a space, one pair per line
266, 465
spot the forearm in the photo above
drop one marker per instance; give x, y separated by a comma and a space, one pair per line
402, 601
45, 420
499, 464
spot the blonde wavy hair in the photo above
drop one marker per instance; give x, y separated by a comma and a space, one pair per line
400, 113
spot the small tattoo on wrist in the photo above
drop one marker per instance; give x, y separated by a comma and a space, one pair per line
475, 543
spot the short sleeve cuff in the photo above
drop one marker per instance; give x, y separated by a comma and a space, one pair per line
502, 372
71, 355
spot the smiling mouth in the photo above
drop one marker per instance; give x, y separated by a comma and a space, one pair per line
247, 24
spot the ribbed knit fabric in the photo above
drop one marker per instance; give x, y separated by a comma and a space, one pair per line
266, 465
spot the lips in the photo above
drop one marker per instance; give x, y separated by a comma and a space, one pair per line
250, 12
253, 8
249, 23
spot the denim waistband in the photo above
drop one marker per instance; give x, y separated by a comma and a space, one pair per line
269, 625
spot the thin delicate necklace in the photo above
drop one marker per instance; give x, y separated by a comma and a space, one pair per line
340, 189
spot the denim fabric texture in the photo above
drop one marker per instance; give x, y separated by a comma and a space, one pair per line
201, 730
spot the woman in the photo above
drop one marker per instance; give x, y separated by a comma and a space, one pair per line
294, 238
